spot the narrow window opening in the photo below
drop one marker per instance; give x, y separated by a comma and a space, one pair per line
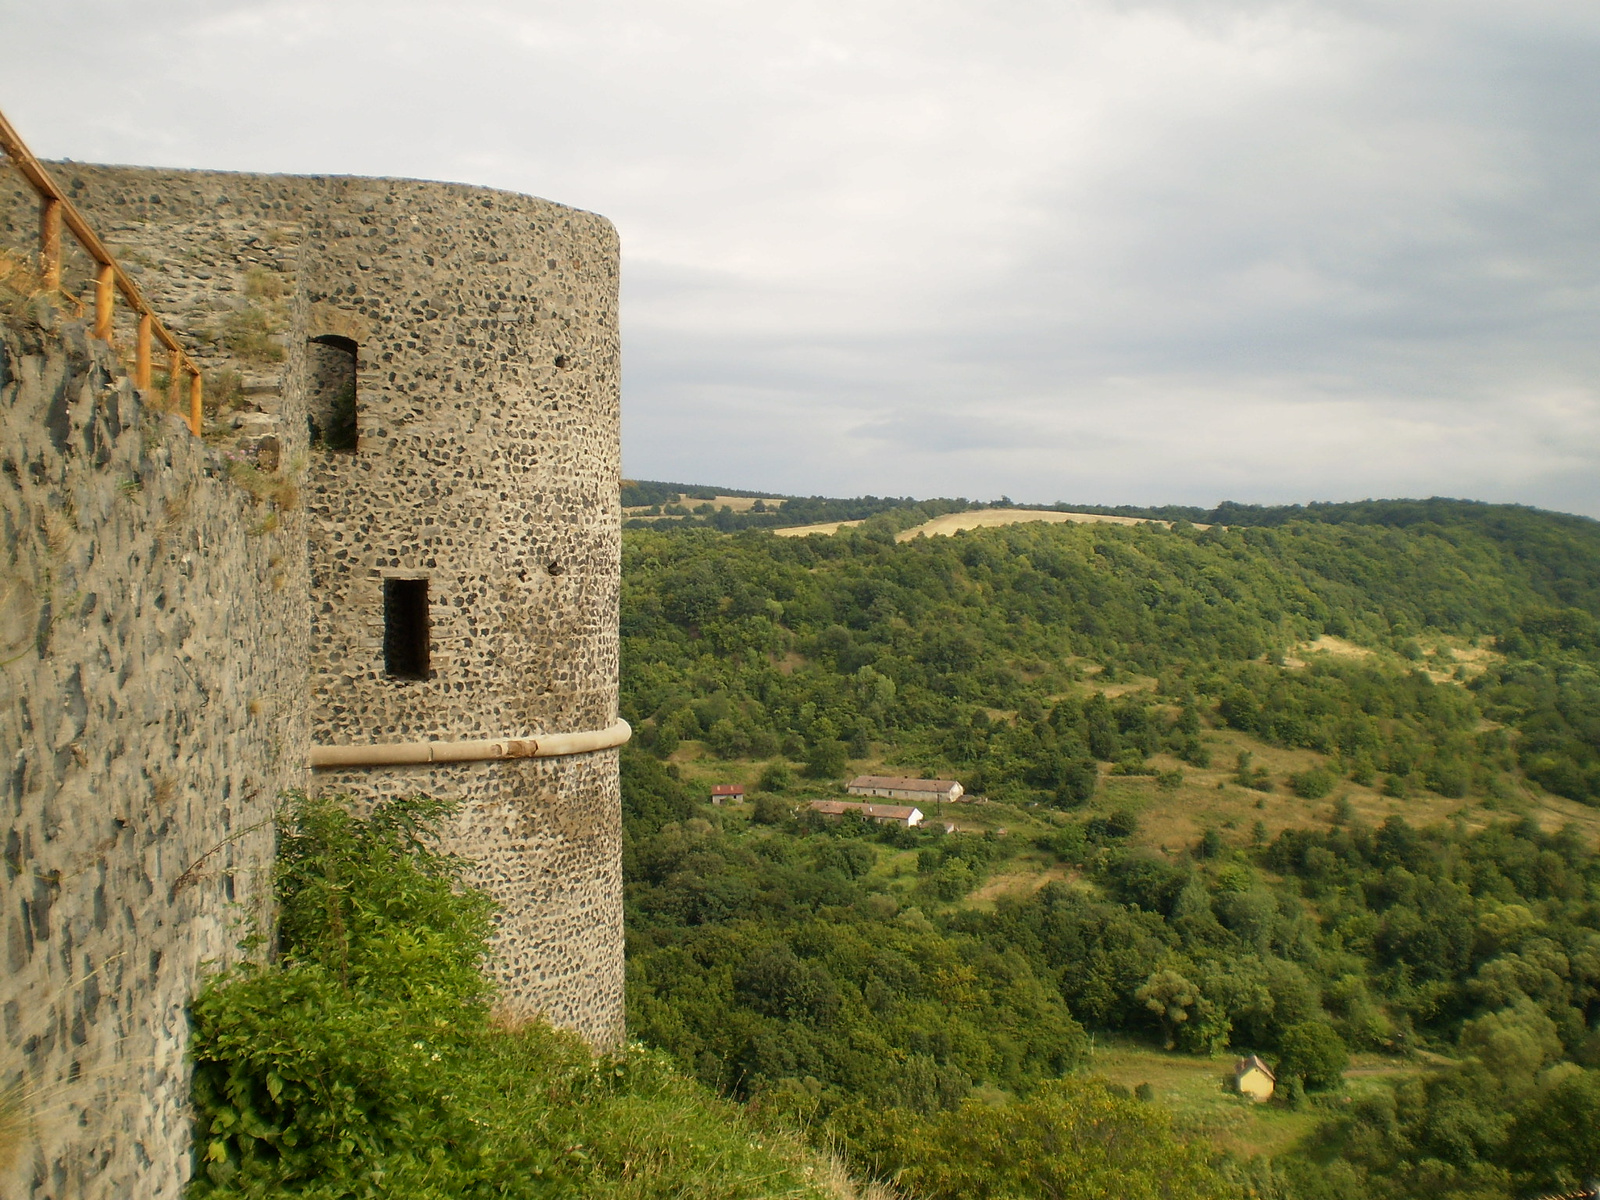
331, 407
405, 628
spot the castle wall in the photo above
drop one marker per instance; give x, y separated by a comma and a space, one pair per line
153, 635
215, 633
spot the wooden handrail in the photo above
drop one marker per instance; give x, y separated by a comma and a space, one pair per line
55, 210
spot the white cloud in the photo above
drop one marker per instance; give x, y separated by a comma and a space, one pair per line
1104, 250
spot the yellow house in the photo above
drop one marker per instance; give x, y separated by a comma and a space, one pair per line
1253, 1078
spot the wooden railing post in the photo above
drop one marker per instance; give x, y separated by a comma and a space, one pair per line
50, 243
196, 403
141, 362
174, 375
105, 296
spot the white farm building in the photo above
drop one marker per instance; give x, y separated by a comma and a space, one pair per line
888, 814
919, 791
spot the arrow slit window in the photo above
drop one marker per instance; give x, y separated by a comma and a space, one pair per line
331, 405
405, 628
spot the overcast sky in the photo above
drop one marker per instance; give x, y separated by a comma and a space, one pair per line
1103, 251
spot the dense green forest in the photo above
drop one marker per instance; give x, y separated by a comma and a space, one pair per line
1319, 784
760, 645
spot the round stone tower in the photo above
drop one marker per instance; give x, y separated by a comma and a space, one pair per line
457, 352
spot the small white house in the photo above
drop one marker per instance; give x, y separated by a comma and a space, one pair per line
1253, 1078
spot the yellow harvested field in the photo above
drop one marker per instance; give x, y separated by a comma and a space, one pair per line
808, 530
736, 504
987, 518
741, 504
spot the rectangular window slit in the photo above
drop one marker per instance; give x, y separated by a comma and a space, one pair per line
405, 628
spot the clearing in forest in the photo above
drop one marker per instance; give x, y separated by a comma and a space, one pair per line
986, 518
807, 530
1195, 1089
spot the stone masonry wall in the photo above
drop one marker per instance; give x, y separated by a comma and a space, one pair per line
152, 707
487, 461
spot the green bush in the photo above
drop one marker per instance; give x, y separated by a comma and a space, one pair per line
776, 777
1555, 1142
826, 759
1313, 1052
1313, 784
364, 1063
771, 810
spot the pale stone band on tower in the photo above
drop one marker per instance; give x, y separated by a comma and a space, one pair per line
555, 745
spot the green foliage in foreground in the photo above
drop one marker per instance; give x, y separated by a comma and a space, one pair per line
364, 1062
1070, 1138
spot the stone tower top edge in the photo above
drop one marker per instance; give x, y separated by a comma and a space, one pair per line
259, 178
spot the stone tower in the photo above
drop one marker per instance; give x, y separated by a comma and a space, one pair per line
461, 373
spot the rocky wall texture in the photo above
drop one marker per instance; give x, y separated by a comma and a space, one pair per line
546, 841
153, 635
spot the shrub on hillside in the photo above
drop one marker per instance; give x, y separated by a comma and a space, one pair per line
1313, 1052
1313, 784
826, 759
776, 777
771, 810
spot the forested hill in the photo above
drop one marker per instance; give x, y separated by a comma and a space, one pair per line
1309, 783
1561, 551
904, 642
